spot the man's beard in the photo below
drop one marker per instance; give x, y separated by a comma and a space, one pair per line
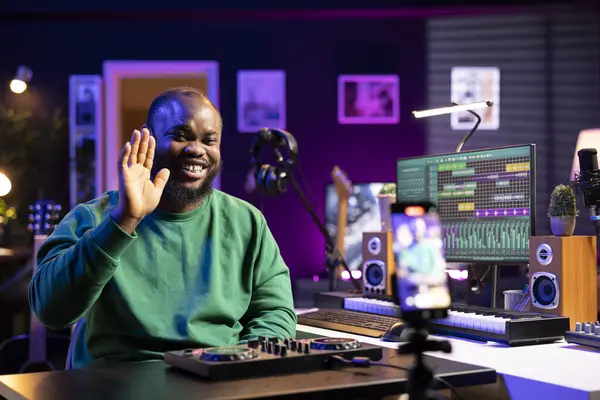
176, 193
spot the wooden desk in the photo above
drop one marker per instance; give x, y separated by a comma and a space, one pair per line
156, 380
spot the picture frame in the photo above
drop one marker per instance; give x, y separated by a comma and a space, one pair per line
369, 99
261, 100
472, 85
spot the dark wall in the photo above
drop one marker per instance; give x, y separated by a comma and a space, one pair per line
313, 54
550, 86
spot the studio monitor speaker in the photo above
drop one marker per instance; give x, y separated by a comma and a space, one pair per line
562, 277
378, 263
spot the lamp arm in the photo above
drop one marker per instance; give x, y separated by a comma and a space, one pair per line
464, 139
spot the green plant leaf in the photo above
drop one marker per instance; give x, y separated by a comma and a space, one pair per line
562, 202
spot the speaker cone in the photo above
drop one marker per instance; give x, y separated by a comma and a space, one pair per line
374, 274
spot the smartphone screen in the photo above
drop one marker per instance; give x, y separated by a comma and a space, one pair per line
421, 280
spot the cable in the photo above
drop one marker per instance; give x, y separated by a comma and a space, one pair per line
366, 362
307, 187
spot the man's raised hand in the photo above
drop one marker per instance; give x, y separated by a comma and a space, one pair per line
138, 194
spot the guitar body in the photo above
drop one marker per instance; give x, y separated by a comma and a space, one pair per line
14, 355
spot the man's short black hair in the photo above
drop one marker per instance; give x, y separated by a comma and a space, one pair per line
169, 94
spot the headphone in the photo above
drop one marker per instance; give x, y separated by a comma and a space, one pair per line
273, 180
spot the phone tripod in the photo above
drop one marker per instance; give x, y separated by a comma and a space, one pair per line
420, 376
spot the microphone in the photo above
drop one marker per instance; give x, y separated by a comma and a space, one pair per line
588, 181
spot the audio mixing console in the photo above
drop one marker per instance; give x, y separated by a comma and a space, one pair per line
268, 356
585, 334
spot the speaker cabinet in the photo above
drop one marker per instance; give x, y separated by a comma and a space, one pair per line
378, 262
562, 277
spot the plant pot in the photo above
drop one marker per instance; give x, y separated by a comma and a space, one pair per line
385, 202
563, 226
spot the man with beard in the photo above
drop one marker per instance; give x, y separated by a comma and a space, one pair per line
166, 262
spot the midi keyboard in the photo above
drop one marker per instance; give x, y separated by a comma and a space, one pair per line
473, 322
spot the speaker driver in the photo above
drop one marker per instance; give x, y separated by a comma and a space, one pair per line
544, 254
374, 272
544, 291
374, 245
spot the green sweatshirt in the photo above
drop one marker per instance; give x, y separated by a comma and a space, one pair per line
210, 277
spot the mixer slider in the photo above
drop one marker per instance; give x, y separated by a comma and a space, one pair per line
267, 357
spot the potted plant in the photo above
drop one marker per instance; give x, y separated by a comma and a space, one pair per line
562, 211
6, 213
385, 197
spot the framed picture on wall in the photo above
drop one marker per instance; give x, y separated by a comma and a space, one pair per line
368, 99
260, 100
472, 85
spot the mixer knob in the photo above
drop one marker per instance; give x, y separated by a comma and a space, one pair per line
269, 347
587, 328
263, 346
273, 340
597, 330
261, 338
253, 343
283, 352
293, 345
286, 342
299, 348
277, 347
578, 327
306, 348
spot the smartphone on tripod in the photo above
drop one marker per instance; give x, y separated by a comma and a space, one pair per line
421, 282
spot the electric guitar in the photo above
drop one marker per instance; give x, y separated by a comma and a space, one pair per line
343, 189
37, 352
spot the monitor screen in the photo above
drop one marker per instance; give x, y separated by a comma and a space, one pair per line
485, 199
363, 216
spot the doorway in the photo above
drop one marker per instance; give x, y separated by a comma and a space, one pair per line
130, 87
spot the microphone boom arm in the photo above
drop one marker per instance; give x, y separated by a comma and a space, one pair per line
334, 258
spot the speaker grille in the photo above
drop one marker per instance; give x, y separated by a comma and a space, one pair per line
544, 292
374, 273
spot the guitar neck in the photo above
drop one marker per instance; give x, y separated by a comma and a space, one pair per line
342, 222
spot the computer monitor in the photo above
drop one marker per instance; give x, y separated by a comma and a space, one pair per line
485, 198
363, 216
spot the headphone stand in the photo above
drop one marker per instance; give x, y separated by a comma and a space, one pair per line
334, 258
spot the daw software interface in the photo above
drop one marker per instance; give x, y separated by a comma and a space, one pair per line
485, 200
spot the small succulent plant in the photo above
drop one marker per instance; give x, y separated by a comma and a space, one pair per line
562, 202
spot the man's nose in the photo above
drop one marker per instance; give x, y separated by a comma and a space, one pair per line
195, 149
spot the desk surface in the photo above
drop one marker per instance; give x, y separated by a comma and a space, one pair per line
561, 370
157, 380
